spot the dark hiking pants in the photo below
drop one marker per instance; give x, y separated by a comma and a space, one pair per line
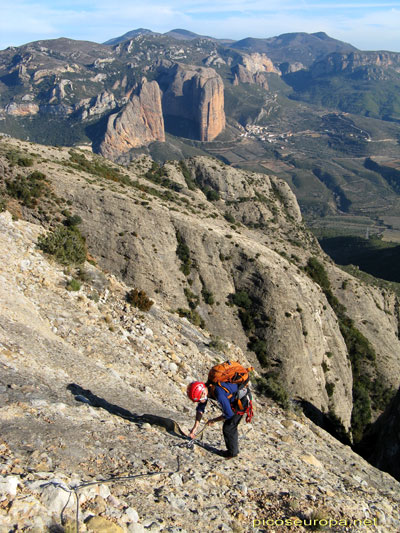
230, 431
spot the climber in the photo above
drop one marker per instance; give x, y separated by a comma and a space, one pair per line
234, 400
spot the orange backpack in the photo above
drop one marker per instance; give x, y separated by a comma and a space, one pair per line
232, 372
229, 372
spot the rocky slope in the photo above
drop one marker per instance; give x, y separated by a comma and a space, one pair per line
89, 392
227, 248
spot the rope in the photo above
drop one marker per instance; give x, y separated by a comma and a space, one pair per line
191, 442
75, 489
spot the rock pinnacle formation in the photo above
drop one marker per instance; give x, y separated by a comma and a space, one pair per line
139, 123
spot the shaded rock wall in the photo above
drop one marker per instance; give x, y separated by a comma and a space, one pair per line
381, 446
195, 94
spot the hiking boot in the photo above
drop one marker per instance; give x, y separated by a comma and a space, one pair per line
227, 455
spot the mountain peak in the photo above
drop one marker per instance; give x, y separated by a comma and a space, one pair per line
322, 35
129, 35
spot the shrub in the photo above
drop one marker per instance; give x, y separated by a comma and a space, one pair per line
361, 414
270, 385
211, 194
330, 387
217, 344
73, 285
247, 320
27, 189
72, 220
183, 252
97, 167
361, 354
190, 182
16, 158
241, 299
158, 175
208, 296
193, 316
317, 272
67, 244
3, 203
259, 347
193, 299
230, 218
139, 299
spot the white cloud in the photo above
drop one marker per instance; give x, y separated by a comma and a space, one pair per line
100, 20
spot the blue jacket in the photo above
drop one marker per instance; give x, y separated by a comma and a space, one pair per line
222, 398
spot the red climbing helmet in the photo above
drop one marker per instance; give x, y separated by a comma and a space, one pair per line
195, 390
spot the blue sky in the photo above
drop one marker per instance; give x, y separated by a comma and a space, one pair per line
369, 25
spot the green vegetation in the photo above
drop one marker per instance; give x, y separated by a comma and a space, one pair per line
66, 244
139, 299
251, 318
241, 299
211, 194
192, 299
15, 157
192, 315
368, 392
217, 344
269, 385
259, 347
183, 253
3, 203
244, 101
330, 387
190, 182
369, 96
247, 310
97, 167
71, 220
230, 218
73, 285
371, 280
390, 174
158, 175
27, 189
207, 295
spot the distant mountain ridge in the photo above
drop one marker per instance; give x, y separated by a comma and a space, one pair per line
275, 104
298, 46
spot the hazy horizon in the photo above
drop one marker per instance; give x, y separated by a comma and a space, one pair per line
365, 25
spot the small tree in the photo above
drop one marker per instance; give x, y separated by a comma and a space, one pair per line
67, 244
139, 299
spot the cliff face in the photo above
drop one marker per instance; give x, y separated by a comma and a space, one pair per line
337, 63
381, 446
139, 123
195, 94
21, 110
253, 69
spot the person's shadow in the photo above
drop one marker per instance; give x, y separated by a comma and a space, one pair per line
170, 425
